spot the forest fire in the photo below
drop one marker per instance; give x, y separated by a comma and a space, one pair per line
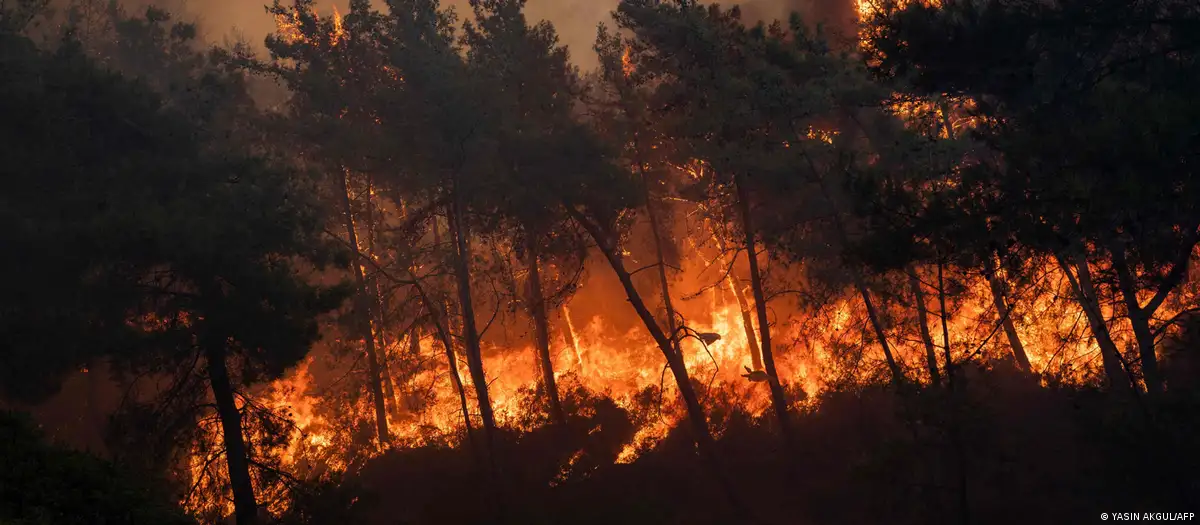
619, 365
622, 364
449, 276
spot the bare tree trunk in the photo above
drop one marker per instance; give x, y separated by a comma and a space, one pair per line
362, 316
1000, 301
945, 326
877, 326
245, 507
414, 343
860, 284
385, 372
778, 399
747, 323
743, 306
470, 333
697, 419
541, 327
1146, 351
439, 311
569, 336
964, 509
452, 362
1139, 318
662, 265
462, 274
438, 314
407, 356
923, 323
872, 314
380, 306
1085, 294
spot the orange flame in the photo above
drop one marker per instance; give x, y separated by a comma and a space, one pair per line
339, 32
289, 27
627, 65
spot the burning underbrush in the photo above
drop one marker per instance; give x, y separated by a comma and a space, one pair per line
316, 426
860, 457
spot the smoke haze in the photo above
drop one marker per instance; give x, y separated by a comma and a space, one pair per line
575, 20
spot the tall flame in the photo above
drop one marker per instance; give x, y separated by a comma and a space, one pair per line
627, 65
339, 31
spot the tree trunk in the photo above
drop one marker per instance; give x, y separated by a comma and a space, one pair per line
1139, 318
379, 306
743, 306
747, 324
569, 337
662, 267
414, 352
945, 326
385, 372
438, 314
470, 334
877, 326
999, 299
859, 283
697, 419
1145, 339
778, 399
1085, 294
923, 324
245, 507
541, 328
460, 234
459, 387
362, 317
964, 509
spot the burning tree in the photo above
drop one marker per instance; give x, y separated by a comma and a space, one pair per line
533, 95
1113, 207
761, 107
196, 243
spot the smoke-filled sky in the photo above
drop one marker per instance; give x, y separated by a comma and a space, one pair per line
575, 20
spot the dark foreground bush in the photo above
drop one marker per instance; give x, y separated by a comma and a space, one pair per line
41, 484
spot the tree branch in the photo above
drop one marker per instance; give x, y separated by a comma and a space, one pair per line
1174, 277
